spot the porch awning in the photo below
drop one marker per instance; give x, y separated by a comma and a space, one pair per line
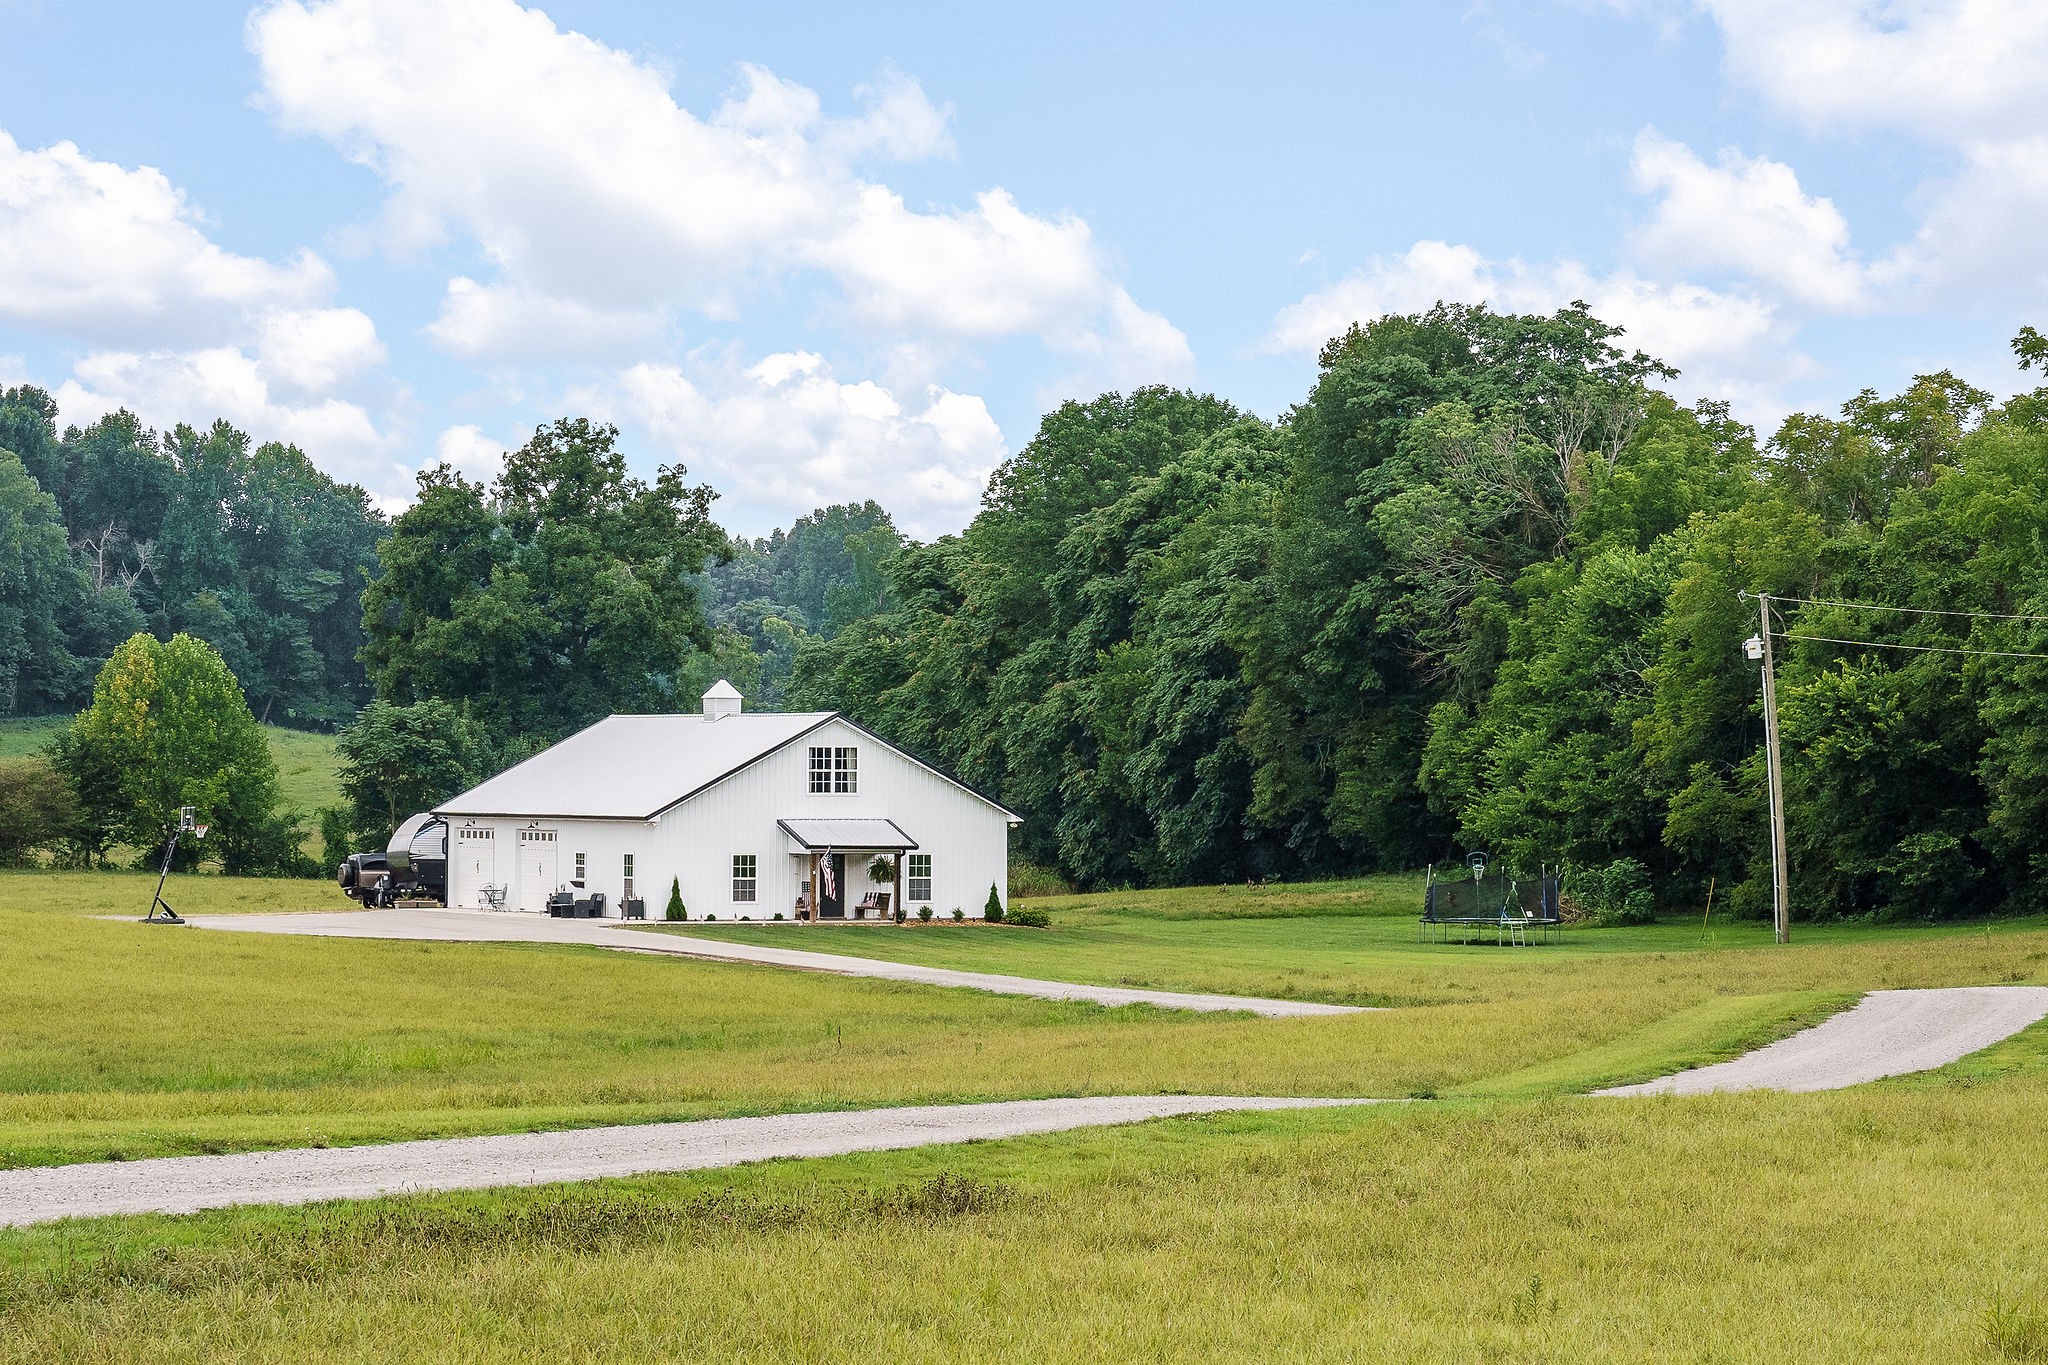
847, 834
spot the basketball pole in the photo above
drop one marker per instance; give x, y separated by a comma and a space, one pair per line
1781, 895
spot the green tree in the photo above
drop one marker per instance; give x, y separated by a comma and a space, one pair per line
569, 593
396, 761
42, 597
37, 809
171, 721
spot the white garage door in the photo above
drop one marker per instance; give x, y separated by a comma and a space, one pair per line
536, 868
476, 864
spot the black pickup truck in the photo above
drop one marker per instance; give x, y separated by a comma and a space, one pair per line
413, 866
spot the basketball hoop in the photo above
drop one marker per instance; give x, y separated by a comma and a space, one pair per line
187, 823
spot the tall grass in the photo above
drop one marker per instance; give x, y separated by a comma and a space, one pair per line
130, 1040
1865, 1226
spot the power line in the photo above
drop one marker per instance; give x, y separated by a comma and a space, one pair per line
1919, 611
1917, 649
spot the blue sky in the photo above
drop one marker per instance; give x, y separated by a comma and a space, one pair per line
818, 254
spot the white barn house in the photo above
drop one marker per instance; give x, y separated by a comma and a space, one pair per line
753, 814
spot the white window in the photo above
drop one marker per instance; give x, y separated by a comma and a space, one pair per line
582, 866
744, 882
835, 771
919, 874
626, 875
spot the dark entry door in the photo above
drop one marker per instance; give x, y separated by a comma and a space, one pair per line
832, 903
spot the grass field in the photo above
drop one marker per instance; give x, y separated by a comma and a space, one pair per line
1889, 1224
306, 778
1506, 1219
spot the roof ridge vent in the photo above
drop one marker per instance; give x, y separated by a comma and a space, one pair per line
722, 699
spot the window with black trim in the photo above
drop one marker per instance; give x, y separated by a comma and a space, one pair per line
918, 878
835, 770
744, 882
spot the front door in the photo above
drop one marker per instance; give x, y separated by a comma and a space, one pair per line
832, 895
536, 868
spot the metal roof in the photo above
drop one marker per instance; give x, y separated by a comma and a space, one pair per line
839, 834
633, 767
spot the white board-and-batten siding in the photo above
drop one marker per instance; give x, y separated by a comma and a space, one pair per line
966, 837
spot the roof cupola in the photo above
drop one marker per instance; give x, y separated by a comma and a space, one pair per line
722, 699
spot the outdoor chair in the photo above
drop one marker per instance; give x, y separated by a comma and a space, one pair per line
493, 897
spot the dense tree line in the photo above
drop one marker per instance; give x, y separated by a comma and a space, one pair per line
111, 528
1480, 589
769, 594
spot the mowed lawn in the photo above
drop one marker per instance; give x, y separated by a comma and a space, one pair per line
130, 1040
1507, 1218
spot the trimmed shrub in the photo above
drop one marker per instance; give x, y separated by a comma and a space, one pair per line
899, 914
924, 912
1029, 919
675, 900
778, 914
709, 918
958, 914
993, 910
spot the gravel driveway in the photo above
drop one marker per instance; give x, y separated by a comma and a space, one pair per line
1888, 1033
185, 1184
470, 926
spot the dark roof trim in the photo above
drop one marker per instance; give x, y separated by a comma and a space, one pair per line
532, 817
740, 768
934, 770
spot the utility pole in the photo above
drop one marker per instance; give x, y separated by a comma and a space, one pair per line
1781, 896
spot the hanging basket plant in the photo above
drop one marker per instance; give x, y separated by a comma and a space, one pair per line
882, 869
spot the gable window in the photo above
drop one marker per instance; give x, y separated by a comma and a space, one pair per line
744, 882
918, 878
835, 770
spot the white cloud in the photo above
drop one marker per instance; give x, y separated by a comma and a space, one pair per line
509, 322
1727, 345
1982, 229
115, 255
597, 199
1948, 70
786, 432
1965, 76
168, 387
315, 349
181, 329
1744, 216
470, 452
